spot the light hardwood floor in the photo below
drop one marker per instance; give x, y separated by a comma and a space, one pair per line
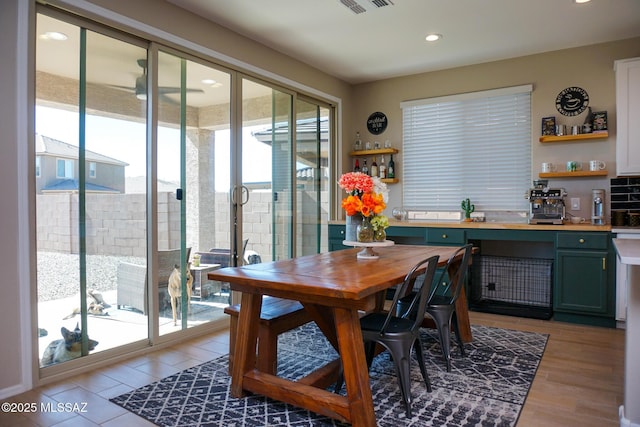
579, 381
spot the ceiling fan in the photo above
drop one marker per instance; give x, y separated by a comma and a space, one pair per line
140, 88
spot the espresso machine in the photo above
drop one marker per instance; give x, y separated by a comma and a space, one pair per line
597, 207
546, 205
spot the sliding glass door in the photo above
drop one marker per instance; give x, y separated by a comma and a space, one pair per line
285, 149
91, 155
153, 168
193, 190
313, 138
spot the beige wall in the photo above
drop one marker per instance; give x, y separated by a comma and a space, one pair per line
590, 68
14, 307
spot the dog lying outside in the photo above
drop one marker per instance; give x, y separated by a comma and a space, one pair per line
175, 289
96, 305
65, 349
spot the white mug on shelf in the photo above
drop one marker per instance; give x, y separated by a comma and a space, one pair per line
548, 167
577, 220
597, 165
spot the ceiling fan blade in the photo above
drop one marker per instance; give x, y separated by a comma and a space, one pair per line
170, 90
125, 88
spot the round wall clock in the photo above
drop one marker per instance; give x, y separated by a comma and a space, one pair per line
572, 101
377, 123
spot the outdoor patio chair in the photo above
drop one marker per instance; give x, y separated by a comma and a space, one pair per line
132, 281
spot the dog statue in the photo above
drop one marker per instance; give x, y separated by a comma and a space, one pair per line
96, 305
175, 289
65, 349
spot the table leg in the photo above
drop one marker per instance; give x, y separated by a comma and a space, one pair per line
246, 340
462, 309
354, 365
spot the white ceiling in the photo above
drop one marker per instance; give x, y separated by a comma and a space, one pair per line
389, 41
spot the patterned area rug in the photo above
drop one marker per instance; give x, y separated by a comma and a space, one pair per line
487, 387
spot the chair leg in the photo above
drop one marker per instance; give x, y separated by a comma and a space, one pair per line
442, 320
456, 330
417, 344
402, 360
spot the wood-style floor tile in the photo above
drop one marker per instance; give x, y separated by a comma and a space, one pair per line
579, 381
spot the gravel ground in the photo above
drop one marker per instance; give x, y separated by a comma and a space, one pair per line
59, 274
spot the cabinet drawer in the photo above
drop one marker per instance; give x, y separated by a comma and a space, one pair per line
336, 232
446, 236
583, 240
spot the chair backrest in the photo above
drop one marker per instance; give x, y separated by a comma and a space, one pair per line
420, 275
450, 289
167, 260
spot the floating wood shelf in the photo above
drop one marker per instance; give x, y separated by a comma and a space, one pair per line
360, 153
390, 180
576, 174
580, 137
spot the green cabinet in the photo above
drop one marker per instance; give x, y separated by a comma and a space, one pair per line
583, 269
583, 283
446, 236
336, 237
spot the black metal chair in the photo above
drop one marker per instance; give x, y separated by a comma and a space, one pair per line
441, 303
399, 334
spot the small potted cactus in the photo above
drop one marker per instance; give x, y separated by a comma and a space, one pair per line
467, 207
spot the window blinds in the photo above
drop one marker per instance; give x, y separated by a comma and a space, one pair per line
475, 145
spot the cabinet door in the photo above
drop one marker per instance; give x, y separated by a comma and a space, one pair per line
581, 282
336, 237
627, 112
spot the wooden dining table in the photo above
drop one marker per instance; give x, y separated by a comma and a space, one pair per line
334, 288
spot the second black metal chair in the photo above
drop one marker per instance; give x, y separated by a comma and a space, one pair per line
399, 333
441, 304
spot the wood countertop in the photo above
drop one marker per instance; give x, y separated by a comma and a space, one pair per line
567, 226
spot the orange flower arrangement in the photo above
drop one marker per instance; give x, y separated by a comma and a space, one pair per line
366, 194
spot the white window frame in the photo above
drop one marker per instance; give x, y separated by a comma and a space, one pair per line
68, 168
474, 145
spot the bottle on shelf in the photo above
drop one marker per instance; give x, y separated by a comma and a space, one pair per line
374, 168
391, 168
365, 168
382, 169
357, 166
357, 146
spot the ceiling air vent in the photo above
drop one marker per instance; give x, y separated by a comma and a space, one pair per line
353, 6
381, 3
358, 8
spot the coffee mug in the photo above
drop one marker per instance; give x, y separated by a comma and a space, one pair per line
573, 166
597, 165
577, 220
548, 167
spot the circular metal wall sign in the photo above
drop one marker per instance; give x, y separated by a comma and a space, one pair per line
377, 123
572, 101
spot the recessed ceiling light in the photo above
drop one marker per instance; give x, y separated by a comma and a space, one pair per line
433, 37
581, 1
208, 81
54, 35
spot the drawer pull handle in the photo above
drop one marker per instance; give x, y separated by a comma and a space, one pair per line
444, 236
581, 240
604, 264
342, 232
